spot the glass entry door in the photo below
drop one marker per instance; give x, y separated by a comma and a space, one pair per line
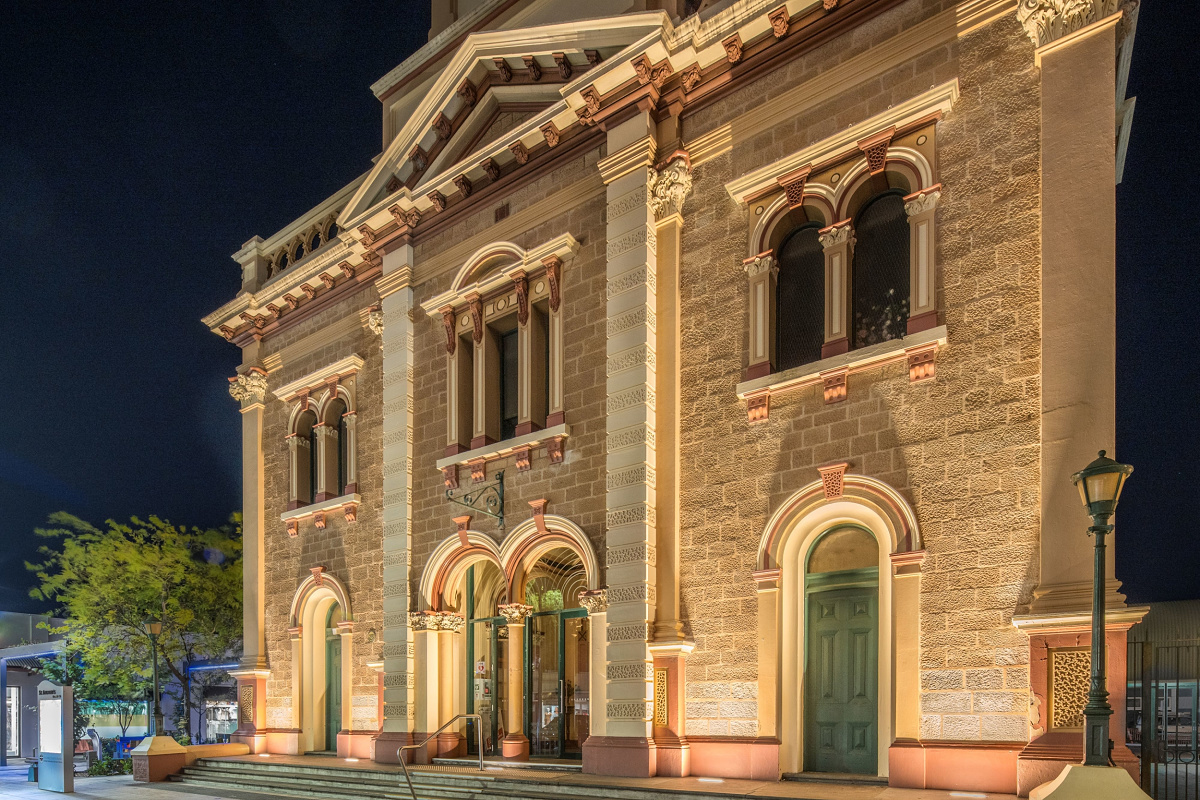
486, 686
556, 677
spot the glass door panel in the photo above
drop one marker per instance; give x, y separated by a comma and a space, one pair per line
575, 715
545, 685
486, 683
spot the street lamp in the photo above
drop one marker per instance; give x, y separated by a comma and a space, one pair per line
1099, 484
154, 628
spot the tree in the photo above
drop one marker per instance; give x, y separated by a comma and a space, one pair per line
110, 582
66, 669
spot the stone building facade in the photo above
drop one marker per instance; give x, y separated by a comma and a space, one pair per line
695, 392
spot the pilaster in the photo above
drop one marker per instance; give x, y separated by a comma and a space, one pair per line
1076, 53
838, 241
631, 423
762, 273
249, 388
921, 208
397, 305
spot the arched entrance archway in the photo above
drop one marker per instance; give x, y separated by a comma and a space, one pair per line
822, 507
526, 591
321, 622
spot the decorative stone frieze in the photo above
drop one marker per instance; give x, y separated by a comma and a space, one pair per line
671, 186
1046, 21
515, 613
833, 479
779, 19
733, 48
249, 386
375, 321
594, 600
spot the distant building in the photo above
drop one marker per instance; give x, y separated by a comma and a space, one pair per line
697, 392
23, 645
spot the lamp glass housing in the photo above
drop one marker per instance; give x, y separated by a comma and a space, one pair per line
1100, 484
154, 628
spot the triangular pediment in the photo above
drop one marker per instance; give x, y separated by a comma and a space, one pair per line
496, 86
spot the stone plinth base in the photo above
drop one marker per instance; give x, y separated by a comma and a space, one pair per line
157, 758
1045, 757
515, 747
623, 756
1078, 782
674, 757
388, 744
355, 744
954, 766
733, 757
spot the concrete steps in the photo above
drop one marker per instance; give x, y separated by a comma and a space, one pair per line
450, 782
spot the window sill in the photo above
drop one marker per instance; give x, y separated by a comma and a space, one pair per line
505, 448
853, 361
317, 508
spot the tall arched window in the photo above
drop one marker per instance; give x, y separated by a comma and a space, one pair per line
335, 452
800, 298
303, 446
880, 277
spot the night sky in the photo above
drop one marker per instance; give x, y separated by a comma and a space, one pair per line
142, 143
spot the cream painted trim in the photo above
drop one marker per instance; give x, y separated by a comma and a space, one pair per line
796, 542
325, 505
855, 360
564, 246
316, 380
505, 447
442, 553
1076, 36
314, 341
522, 533
1072, 622
938, 99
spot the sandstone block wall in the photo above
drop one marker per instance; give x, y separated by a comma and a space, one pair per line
964, 449
352, 552
574, 488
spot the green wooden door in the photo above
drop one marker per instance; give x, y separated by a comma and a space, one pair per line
333, 688
841, 681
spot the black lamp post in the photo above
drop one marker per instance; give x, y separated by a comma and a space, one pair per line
154, 628
1100, 484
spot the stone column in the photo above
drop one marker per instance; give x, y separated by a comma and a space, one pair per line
631, 422
426, 698
922, 303
515, 746
451, 668
596, 603
351, 486
397, 304
554, 410
327, 447
762, 273
249, 388
768, 652
838, 241
1077, 56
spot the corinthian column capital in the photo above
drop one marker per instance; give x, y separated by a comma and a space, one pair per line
249, 387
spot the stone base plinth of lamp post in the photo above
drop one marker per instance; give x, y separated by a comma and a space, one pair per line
157, 758
1080, 782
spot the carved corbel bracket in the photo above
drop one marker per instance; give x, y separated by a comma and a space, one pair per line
475, 302
793, 185
834, 382
553, 274
448, 322
833, 479
758, 408
921, 364
875, 148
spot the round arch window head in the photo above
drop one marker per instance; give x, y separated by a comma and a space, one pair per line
1100, 484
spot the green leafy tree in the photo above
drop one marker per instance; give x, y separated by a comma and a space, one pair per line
111, 582
67, 670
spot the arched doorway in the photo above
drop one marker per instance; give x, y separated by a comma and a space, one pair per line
841, 663
321, 623
556, 655
333, 677
483, 591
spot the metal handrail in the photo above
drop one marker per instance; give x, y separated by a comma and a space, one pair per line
400, 751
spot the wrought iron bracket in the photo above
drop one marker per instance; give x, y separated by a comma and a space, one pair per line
486, 498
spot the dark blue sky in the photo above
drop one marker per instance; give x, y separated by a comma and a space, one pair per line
142, 143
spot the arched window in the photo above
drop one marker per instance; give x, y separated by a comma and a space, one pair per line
303, 447
880, 277
315, 242
284, 261
298, 253
800, 298
331, 232
336, 452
